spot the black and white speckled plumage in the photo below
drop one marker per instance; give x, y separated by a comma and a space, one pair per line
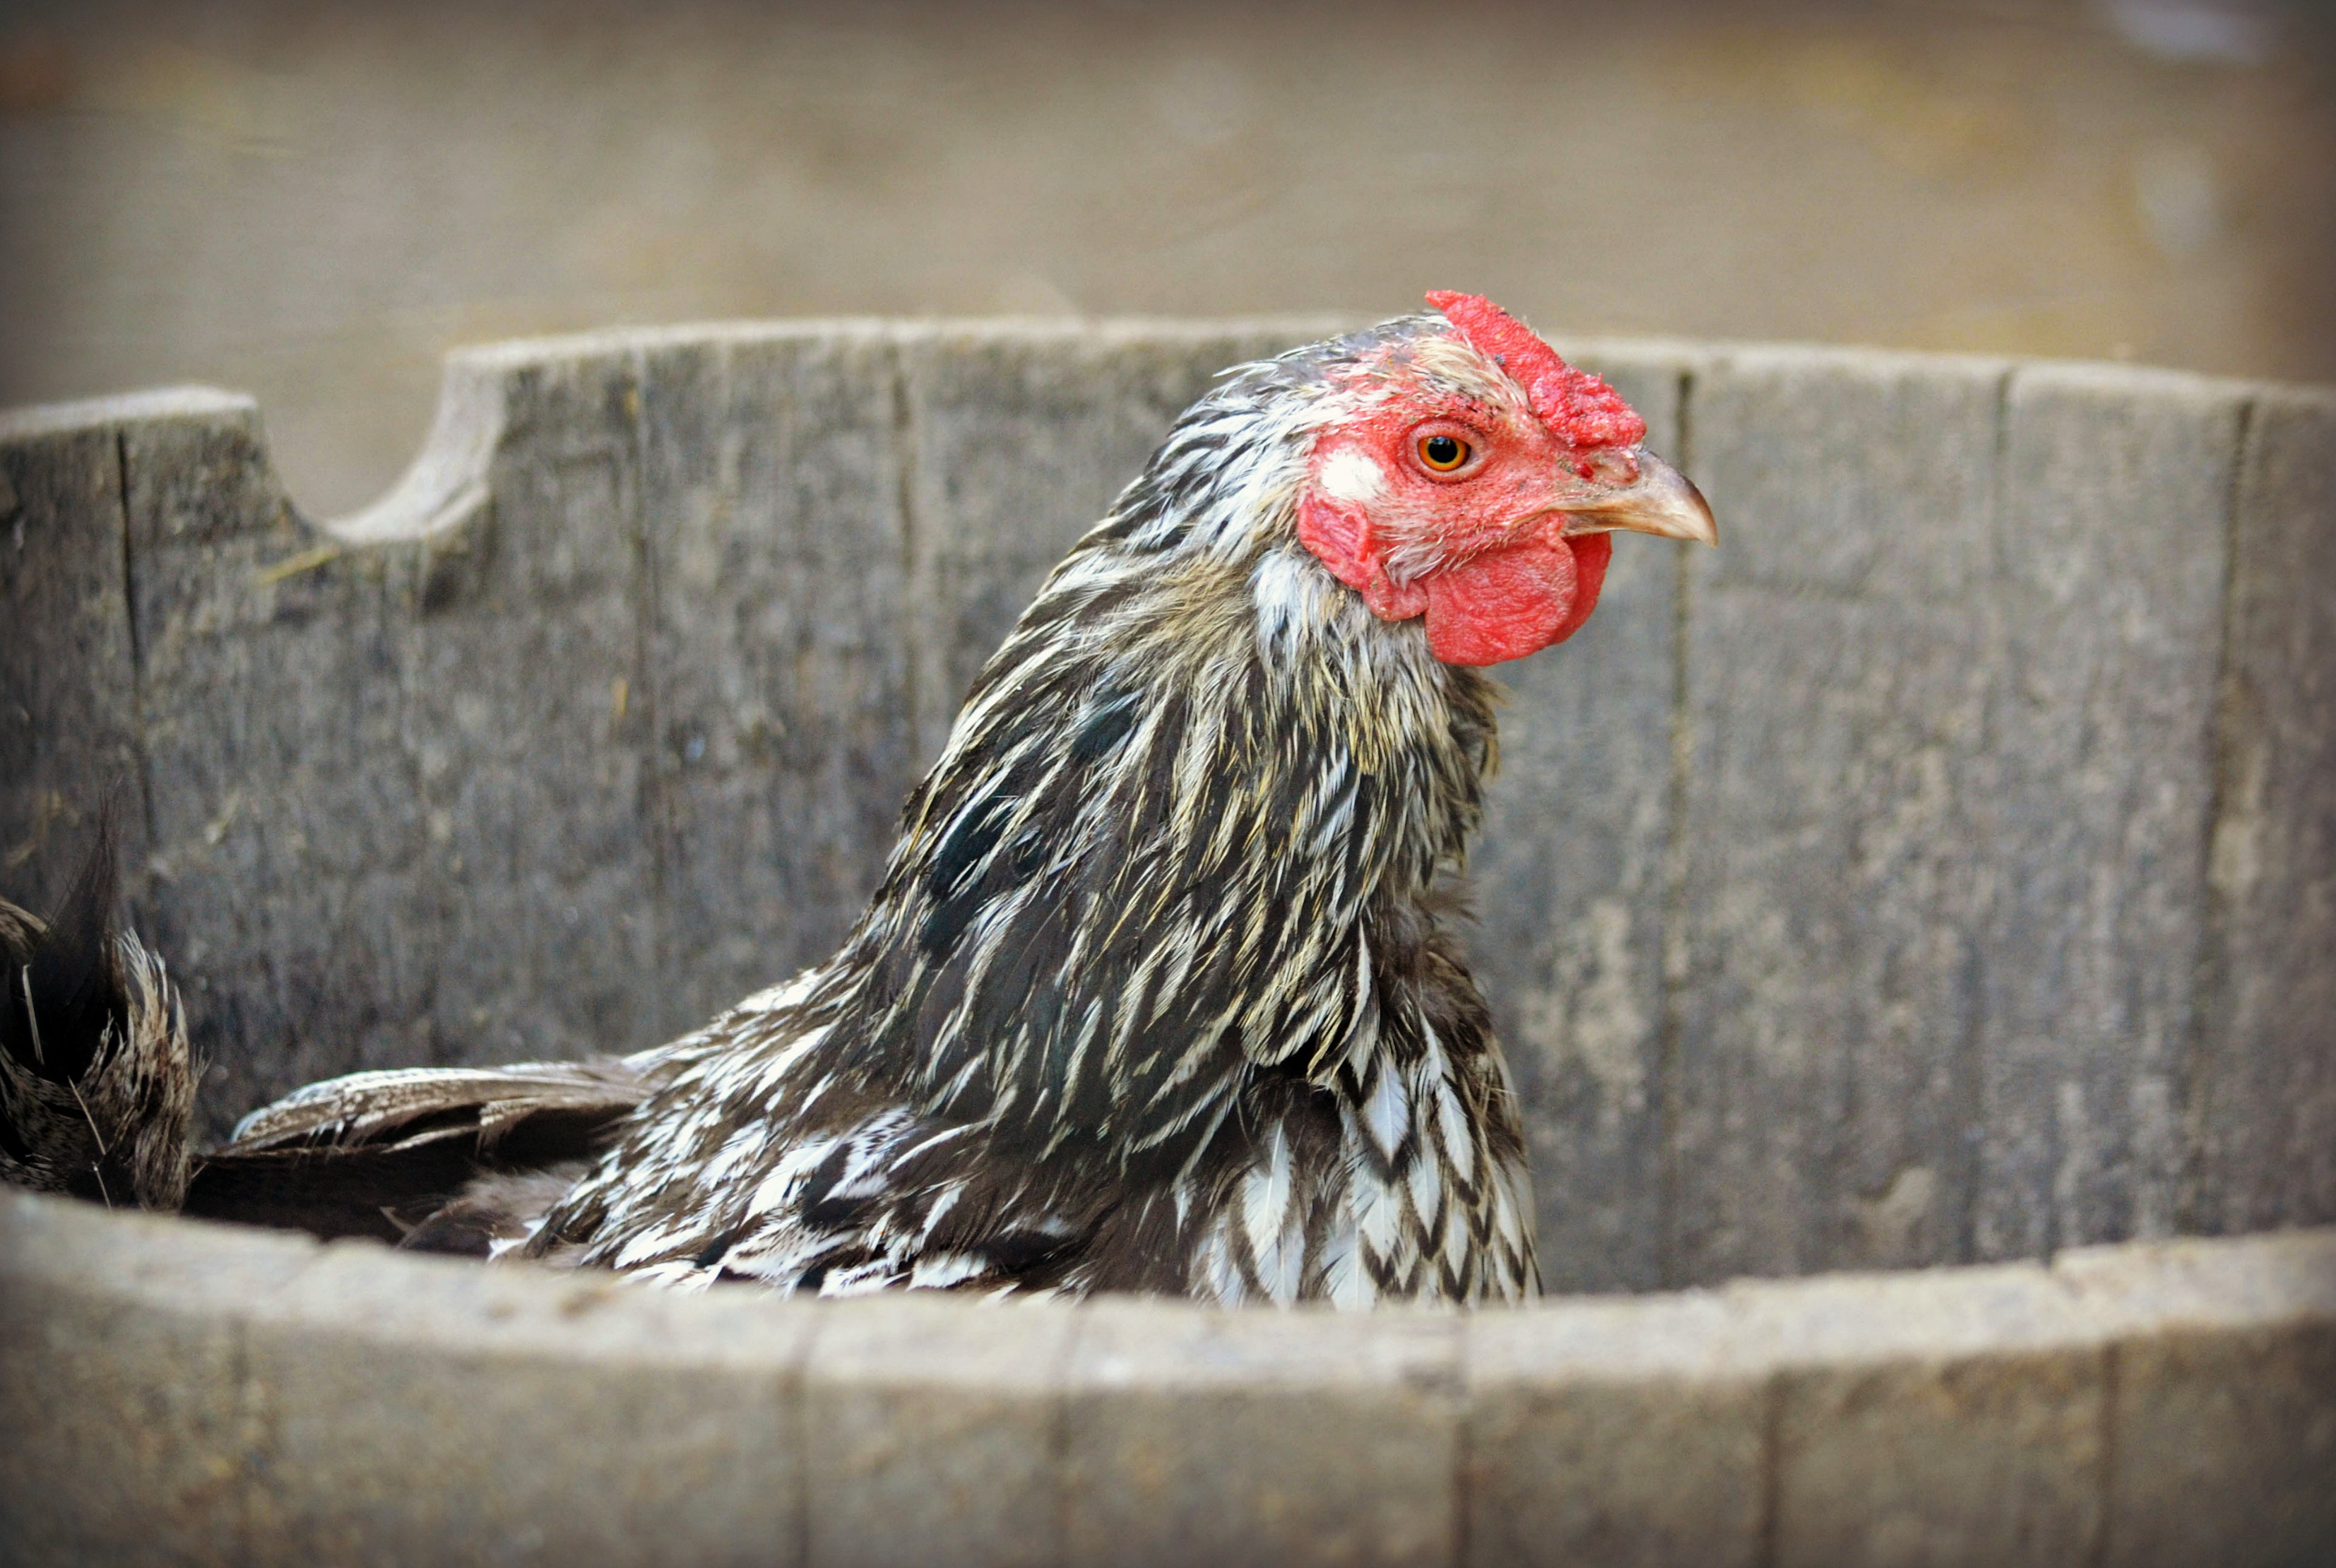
97, 1082
1159, 991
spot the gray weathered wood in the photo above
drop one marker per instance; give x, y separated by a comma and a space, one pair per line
919, 1438
186, 1392
2263, 1091
2114, 512
534, 788
701, 1460
1838, 683
1909, 1442
136, 1439
1618, 1432
2221, 1436
1182, 1442
1949, 705
68, 717
280, 819
780, 707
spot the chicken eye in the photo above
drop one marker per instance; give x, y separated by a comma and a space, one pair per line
1443, 452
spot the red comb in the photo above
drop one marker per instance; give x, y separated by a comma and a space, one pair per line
1579, 408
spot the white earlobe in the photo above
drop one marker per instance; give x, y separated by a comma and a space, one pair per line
1350, 475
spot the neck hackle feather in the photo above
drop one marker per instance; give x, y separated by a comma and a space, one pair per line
1159, 990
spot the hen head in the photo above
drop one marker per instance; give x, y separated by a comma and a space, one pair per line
1466, 473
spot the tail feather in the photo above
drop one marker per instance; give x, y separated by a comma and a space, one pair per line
423, 1157
97, 1096
97, 1083
405, 1107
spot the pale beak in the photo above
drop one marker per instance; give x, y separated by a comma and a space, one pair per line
1664, 503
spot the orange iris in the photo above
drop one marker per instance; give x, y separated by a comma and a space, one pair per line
1443, 452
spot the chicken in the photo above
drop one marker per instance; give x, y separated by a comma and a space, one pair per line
97, 1084
1159, 990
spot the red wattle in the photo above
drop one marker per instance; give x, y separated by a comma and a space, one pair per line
1391, 600
1508, 603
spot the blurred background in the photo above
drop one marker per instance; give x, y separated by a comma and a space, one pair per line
312, 201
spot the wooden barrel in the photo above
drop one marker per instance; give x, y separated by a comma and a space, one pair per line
1942, 872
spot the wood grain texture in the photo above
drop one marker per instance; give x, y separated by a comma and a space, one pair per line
1262, 1438
781, 650
923, 1438
2113, 525
277, 879
2262, 1090
1838, 686
211, 1393
1614, 1431
536, 788
68, 682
